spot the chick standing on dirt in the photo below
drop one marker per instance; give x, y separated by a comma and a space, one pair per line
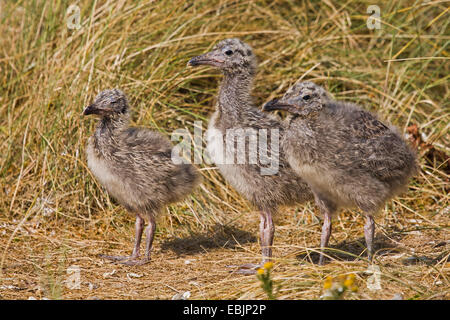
348, 157
135, 167
236, 111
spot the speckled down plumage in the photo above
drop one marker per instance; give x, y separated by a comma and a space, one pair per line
135, 167
235, 110
346, 153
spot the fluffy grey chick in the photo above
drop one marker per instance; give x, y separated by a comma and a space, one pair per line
348, 157
235, 112
135, 167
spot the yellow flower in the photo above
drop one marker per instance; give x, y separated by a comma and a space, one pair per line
260, 271
268, 265
348, 283
350, 280
327, 283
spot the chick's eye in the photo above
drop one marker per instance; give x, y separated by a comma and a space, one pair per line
307, 97
229, 52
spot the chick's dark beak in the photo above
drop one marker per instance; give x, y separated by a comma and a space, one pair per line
195, 61
271, 105
211, 58
90, 109
276, 104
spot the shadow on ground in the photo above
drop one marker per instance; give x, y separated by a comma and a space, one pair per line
219, 237
355, 249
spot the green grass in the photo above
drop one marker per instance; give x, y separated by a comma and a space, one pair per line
48, 73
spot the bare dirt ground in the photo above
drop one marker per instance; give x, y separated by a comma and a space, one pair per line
412, 257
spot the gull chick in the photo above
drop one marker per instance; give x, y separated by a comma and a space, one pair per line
135, 167
236, 112
348, 157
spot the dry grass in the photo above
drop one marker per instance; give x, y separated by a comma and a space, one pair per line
54, 215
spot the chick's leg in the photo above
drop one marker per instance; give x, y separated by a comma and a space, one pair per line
266, 233
369, 231
326, 233
327, 208
149, 233
139, 227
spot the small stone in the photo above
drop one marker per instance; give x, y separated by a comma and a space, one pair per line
182, 295
108, 274
397, 296
133, 275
